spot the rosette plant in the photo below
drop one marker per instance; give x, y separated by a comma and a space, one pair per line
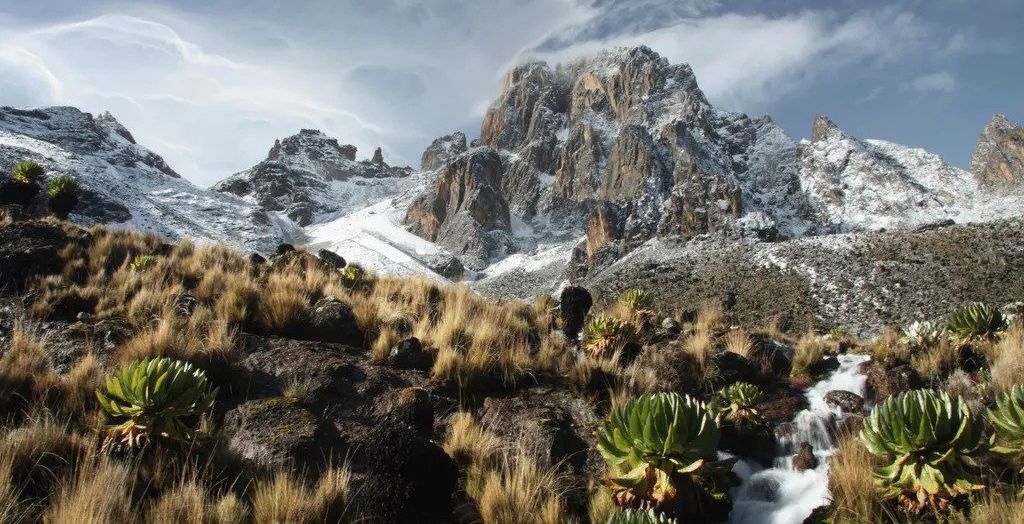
977, 321
603, 334
27, 172
636, 299
142, 262
737, 403
63, 191
654, 445
1008, 423
635, 516
926, 440
923, 335
159, 397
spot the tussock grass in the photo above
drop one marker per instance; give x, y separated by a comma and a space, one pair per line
851, 482
1006, 507
1007, 359
809, 350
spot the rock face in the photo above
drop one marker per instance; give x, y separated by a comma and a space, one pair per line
998, 160
464, 211
624, 147
310, 174
443, 149
845, 401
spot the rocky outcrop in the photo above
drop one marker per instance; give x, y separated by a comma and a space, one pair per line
998, 160
443, 149
301, 173
464, 210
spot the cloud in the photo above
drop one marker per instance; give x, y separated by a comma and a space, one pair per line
25, 80
940, 82
743, 61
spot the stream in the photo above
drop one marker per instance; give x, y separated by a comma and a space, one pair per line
780, 494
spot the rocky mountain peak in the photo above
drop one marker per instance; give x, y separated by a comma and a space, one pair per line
443, 149
310, 174
823, 129
998, 159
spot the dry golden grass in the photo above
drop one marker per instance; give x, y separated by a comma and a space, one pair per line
285, 498
809, 350
740, 342
469, 443
1007, 359
935, 361
700, 345
851, 482
601, 504
100, 494
1005, 507
519, 492
710, 316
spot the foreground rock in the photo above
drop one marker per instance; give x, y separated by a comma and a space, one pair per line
278, 432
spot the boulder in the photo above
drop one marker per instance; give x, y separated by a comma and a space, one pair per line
752, 441
446, 265
671, 327
284, 248
733, 367
277, 432
409, 478
29, 249
805, 459
574, 303
413, 406
331, 259
845, 401
332, 320
409, 354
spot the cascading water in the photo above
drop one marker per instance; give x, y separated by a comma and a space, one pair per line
781, 494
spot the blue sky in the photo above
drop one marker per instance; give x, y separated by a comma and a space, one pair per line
210, 84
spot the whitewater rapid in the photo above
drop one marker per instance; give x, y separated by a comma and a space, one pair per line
780, 494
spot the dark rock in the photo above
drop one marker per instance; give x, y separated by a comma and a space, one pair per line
781, 405
805, 459
409, 354
331, 259
257, 259
752, 441
409, 478
378, 157
820, 515
777, 355
574, 303
412, 406
890, 377
285, 248
733, 367
332, 320
845, 401
447, 266
12, 213
823, 366
277, 432
17, 193
29, 249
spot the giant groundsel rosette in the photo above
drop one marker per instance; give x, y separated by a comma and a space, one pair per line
926, 440
650, 441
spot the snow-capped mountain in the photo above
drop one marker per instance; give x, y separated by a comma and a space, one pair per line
576, 166
310, 176
126, 185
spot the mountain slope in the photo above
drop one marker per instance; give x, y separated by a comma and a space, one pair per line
125, 184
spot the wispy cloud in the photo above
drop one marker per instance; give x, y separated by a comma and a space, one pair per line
939, 82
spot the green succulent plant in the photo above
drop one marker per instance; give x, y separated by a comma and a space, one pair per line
603, 334
636, 299
157, 397
924, 334
27, 172
142, 262
654, 442
927, 439
977, 321
635, 516
352, 273
63, 191
738, 401
1008, 422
